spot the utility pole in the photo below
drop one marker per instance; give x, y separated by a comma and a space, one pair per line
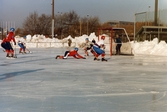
52, 18
156, 13
87, 25
80, 27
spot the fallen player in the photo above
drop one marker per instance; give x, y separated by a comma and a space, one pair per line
73, 53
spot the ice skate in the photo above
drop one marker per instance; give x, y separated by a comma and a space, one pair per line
96, 59
7, 56
103, 59
20, 52
13, 57
57, 56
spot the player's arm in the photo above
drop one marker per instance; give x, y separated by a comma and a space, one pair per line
79, 56
13, 38
75, 57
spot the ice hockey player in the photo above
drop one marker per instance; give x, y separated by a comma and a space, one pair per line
73, 53
87, 46
6, 44
101, 43
21, 43
97, 51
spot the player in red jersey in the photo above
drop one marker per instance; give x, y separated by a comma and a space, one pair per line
6, 43
73, 53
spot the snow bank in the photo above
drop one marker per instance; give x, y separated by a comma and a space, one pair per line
150, 48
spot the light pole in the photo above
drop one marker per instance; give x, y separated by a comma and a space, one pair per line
80, 27
52, 18
134, 34
87, 25
156, 13
148, 15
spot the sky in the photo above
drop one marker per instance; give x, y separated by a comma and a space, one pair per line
16, 11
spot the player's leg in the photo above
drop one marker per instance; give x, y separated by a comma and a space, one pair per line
66, 54
63, 57
86, 51
3, 45
11, 49
103, 57
94, 51
7, 50
59, 57
24, 48
20, 45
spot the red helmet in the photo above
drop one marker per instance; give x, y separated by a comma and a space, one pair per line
102, 37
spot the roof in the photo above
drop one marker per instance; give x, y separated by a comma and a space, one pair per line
150, 29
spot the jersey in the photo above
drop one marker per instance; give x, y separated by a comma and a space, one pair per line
22, 41
75, 54
101, 42
9, 38
88, 44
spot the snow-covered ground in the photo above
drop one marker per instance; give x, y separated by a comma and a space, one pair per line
39, 83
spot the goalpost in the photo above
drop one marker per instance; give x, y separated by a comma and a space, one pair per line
110, 29
126, 47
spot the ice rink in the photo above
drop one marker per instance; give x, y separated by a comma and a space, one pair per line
39, 83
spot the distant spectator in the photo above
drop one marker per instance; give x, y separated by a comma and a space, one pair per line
118, 41
69, 42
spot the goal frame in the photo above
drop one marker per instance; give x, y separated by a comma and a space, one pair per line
111, 37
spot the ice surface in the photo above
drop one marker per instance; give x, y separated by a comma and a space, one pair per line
39, 83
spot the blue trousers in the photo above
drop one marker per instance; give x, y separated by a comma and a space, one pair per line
7, 46
21, 45
98, 50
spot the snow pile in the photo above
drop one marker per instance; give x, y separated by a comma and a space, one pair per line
42, 41
80, 40
150, 48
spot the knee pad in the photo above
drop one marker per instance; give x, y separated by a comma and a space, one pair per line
103, 54
12, 51
8, 51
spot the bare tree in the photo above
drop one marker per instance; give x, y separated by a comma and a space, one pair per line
30, 23
44, 24
65, 24
91, 24
35, 24
94, 24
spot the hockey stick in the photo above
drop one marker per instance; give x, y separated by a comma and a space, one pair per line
15, 52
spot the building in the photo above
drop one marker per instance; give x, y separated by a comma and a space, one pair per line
128, 26
151, 32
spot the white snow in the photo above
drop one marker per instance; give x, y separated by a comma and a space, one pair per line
138, 48
150, 48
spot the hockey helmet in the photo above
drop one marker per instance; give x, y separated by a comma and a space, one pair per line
12, 29
102, 37
87, 39
76, 49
